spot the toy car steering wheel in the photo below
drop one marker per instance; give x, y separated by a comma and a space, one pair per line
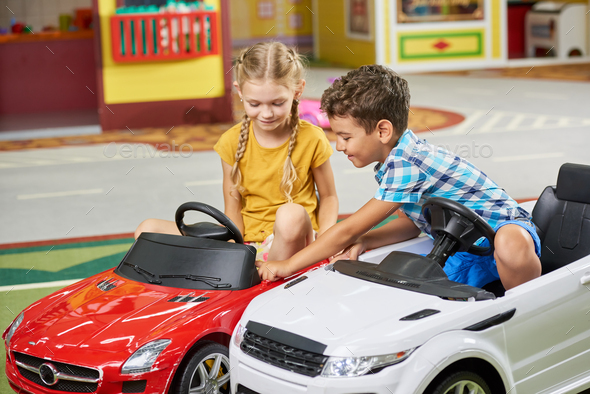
457, 227
228, 230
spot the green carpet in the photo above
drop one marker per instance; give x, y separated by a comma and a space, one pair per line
60, 262
40, 264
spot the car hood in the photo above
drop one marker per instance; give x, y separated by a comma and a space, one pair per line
353, 316
122, 314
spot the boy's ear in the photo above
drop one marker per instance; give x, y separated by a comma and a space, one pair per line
385, 130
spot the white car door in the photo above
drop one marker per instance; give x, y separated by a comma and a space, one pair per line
548, 339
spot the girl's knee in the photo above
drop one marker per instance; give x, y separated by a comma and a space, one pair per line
146, 226
292, 219
291, 213
156, 226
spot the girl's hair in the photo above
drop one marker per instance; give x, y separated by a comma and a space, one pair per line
270, 61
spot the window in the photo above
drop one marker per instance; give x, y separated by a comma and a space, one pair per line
359, 19
295, 21
266, 10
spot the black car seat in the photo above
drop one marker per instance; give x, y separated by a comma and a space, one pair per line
562, 217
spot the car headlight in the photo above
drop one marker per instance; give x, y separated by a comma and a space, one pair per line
17, 322
239, 336
144, 357
358, 366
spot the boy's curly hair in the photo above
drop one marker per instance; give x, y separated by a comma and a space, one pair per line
369, 94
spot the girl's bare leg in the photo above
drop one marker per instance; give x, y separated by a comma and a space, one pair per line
157, 226
292, 232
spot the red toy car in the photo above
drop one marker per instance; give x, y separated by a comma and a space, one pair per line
160, 322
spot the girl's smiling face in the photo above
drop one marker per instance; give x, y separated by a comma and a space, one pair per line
268, 104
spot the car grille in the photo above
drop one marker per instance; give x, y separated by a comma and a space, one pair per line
283, 356
134, 386
73, 378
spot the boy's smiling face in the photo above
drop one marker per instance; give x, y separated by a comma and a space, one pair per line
361, 148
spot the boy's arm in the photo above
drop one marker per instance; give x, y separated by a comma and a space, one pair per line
324, 181
233, 205
332, 241
398, 230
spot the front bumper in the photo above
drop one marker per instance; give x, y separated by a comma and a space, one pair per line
110, 381
262, 378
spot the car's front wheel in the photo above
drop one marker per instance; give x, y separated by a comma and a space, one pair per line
462, 382
207, 371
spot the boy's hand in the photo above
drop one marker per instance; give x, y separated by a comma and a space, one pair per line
351, 252
273, 270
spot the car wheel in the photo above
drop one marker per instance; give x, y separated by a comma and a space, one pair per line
206, 372
462, 382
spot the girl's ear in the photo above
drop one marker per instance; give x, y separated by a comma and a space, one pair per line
238, 88
299, 90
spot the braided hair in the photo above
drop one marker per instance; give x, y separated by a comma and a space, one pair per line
271, 61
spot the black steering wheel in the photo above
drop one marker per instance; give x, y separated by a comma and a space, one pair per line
456, 228
228, 230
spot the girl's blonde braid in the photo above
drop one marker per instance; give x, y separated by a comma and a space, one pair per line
289, 172
236, 174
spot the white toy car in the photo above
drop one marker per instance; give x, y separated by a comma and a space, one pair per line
400, 327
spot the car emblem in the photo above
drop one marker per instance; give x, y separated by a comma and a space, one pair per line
47, 373
32, 343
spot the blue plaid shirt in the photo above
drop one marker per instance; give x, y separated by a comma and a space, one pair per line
415, 170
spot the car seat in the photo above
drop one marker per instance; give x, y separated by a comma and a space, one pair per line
562, 217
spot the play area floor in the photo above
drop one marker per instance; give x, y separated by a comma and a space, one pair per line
32, 270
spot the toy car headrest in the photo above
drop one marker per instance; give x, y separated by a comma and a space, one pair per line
573, 183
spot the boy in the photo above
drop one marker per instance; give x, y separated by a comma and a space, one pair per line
368, 110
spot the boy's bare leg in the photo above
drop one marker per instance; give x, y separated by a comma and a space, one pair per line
515, 256
157, 226
293, 231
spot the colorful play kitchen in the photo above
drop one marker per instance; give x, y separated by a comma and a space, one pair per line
138, 63
37, 41
164, 64
423, 35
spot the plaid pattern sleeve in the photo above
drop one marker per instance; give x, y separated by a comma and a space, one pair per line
416, 170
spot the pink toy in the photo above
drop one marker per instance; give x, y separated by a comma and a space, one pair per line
310, 110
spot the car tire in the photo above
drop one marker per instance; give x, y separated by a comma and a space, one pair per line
471, 382
198, 375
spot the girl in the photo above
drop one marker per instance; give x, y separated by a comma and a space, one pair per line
272, 161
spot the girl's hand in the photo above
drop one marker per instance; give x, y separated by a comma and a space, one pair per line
273, 270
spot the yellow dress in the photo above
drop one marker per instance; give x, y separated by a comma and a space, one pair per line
262, 171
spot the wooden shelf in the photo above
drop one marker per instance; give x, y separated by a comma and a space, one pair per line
47, 36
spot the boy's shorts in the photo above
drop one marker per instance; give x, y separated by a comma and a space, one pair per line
478, 271
262, 248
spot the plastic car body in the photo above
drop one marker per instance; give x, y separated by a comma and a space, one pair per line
356, 327
159, 322
310, 110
